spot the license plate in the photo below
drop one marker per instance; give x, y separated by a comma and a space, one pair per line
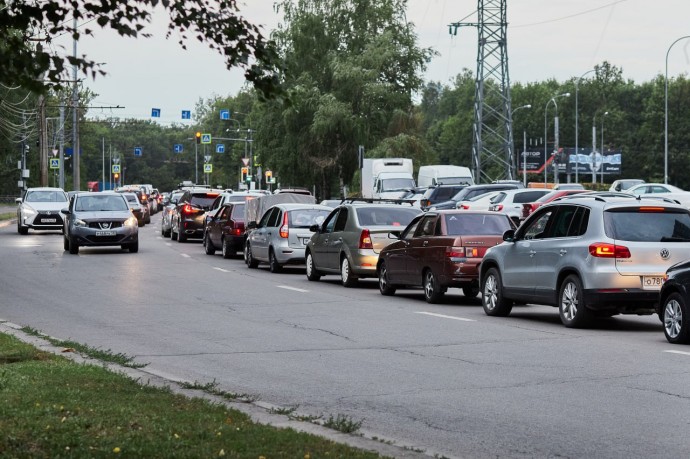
48, 220
652, 282
305, 240
105, 233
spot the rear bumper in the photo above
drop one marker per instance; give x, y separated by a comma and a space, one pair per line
625, 301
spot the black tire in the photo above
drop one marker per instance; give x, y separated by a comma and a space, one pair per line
348, 279
228, 249
571, 305
65, 243
162, 232
675, 318
23, 230
385, 286
312, 273
471, 291
433, 292
273, 264
148, 219
248, 258
492, 295
181, 237
133, 247
173, 234
73, 246
208, 245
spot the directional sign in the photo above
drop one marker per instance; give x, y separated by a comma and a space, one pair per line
155, 113
220, 148
224, 114
178, 148
208, 168
116, 168
186, 115
55, 163
138, 151
206, 138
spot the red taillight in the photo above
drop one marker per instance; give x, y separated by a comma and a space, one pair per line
651, 209
606, 250
464, 206
187, 209
496, 208
426, 202
455, 252
365, 240
285, 229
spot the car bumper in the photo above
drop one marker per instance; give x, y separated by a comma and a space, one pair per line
364, 263
42, 221
461, 273
93, 238
625, 301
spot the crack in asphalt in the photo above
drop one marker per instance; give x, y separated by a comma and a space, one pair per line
301, 327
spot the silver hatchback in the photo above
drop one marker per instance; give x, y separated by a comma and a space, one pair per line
588, 255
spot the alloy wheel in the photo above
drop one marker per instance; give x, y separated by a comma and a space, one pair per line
673, 318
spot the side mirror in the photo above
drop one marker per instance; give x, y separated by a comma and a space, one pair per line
18, 200
394, 235
509, 236
252, 225
315, 228
65, 211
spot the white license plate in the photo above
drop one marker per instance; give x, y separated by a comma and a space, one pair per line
105, 233
652, 282
305, 240
48, 220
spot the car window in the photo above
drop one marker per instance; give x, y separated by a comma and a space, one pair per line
536, 228
341, 221
640, 224
385, 216
477, 224
527, 196
444, 193
580, 222
304, 218
427, 226
238, 212
202, 200
498, 198
224, 213
274, 219
562, 221
264, 219
330, 222
410, 230
659, 189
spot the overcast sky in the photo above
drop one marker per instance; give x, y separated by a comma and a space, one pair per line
546, 39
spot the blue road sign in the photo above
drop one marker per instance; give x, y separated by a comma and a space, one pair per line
137, 151
224, 114
155, 113
220, 148
206, 138
177, 148
55, 163
116, 168
69, 151
186, 115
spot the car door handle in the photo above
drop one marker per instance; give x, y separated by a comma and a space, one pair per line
562, 252
532, 253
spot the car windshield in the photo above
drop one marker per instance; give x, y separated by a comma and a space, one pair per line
646, 226
304, 218
386, 216
132, 198
396, 184
45, 196
100, 204
477, 225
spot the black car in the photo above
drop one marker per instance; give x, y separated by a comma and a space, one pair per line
439, 193
470, 192
187, 217
674, 300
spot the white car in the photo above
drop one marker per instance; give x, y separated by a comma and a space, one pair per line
661, 190
510, 202
40, 208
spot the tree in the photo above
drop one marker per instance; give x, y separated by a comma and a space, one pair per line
27, 27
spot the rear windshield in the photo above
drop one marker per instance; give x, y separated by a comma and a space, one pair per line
203, 200
45, 196
386, 216
304, 218
238, 212
131, 198
646, 226
477, 225
100, 203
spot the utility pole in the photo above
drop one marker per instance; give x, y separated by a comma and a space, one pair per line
75, 120
62, 145
43, 142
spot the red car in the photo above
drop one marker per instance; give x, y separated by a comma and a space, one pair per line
225, 230
528, 208
441, 249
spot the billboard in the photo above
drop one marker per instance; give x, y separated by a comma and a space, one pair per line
586, 161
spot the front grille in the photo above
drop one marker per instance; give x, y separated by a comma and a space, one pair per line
98, 226
104, 239
43, 216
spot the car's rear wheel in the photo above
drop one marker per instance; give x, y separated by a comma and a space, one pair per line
133, 247
471, 291
208, 245
173, 234
571, 305
676, 327
348, 279
228, 249
312, 273
273, 264
385, 286
249, 258
73, 246
181, 237
433, 292
492, 295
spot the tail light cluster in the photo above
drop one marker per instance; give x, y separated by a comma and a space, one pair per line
496, 208
365, 240
606, 250
189, 209
285, 228
462, 252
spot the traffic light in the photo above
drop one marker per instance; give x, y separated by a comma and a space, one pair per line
116, 176
269, 174
245, 171
198, 137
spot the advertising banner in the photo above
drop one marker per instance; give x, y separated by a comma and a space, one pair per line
567, 162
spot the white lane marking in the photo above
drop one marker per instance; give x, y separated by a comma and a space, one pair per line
445, 317
222, 270
29, 245
678, 352
185, 255
295, 289
168, 244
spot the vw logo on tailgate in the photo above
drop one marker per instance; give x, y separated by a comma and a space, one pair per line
665, 254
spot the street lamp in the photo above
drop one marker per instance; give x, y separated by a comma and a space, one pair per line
555, 128
602, 147
524, 146
577, 151
666, 110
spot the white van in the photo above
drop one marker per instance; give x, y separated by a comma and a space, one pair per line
444, 175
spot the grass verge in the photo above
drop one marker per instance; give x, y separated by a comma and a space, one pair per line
53, 407
7, 216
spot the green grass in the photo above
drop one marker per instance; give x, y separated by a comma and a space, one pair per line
52, 407
7, 216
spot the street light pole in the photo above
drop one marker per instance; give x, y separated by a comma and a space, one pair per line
602, 147
524, 146
577, 132
666, 110
546, 108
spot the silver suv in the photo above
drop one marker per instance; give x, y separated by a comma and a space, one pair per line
589, 255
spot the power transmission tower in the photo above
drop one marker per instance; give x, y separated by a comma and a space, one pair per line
492, 145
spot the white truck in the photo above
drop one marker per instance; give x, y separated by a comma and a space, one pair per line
386, 178
441, 174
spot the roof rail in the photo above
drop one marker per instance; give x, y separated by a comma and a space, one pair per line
378, 200
601, 195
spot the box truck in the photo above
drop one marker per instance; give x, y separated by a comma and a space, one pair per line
444, 175
386, 178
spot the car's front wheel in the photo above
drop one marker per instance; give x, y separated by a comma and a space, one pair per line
433, 292
312, 273
21, 229
675, 318
133, 247
73, 246
385, 286
492, 295
571, 305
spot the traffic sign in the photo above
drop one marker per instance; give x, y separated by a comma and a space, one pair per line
155, 113
206, 138
207, 158
55, 163
178, 148
245, 161
116, 168
186, 115
220, 148
138, 151
208, 168
224, 114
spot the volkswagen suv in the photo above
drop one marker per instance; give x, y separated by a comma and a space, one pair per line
589, 255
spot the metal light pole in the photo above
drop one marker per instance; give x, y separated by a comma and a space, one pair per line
546, 108
666, 110
524, 147
602, 147
577, 132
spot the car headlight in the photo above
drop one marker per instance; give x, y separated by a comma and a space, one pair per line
28, 210
80, 223
131, 221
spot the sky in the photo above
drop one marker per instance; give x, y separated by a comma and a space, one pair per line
559, 39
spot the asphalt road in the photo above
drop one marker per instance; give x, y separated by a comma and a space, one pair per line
442, 378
